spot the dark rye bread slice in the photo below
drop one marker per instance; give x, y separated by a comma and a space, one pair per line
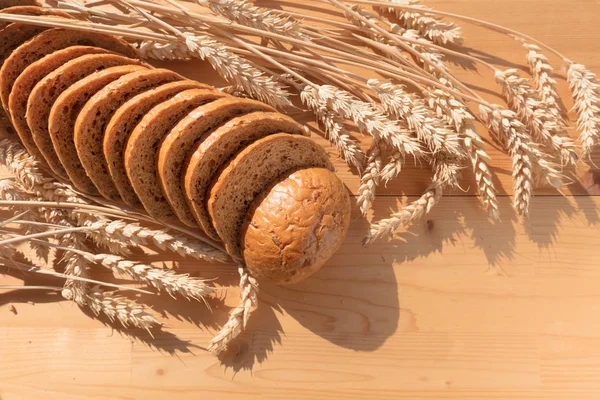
48, 42
95, 115
179, 144
219, 146
17, 102
249, 172
141, 153
122, 123
47, 90
64, 113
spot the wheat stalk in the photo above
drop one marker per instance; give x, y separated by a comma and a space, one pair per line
434, 29
162, 279
238, 317
586, 93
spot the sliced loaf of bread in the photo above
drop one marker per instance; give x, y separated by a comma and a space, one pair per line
249, 172
141, 153
45, 93
179, 143
97, 112
122, 123
64, 113
48, 42
220, 145
40, 147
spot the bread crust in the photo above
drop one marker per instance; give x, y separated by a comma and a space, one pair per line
249, 172
295, 225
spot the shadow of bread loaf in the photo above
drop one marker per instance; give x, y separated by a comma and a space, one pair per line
183, 151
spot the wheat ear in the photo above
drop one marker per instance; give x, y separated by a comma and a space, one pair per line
433, 28
586, 93
506, 125
334, 130
370, 178
164, 280
118, 308
238, 317
246, 13
457, 113
430, 129
414, 211
368, 119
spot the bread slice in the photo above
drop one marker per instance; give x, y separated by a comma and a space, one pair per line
12, 35
179, 143
123, 122
220, 145
17, 102
64, 112
93, 118
141, 152
48, 42
47, 90
249, 172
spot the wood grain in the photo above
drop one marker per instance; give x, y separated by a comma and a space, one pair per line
455, 308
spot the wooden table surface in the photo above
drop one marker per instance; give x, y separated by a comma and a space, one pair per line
456, 308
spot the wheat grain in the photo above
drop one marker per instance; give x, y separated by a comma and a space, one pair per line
369, 179
433, 28
162, 279
20, 164
238, 318
586, 93
173, 51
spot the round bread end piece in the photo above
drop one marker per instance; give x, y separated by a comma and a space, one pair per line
295, 225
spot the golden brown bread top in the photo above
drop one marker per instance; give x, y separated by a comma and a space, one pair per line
295, 225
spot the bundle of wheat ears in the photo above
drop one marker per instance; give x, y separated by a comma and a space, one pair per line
273, 55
